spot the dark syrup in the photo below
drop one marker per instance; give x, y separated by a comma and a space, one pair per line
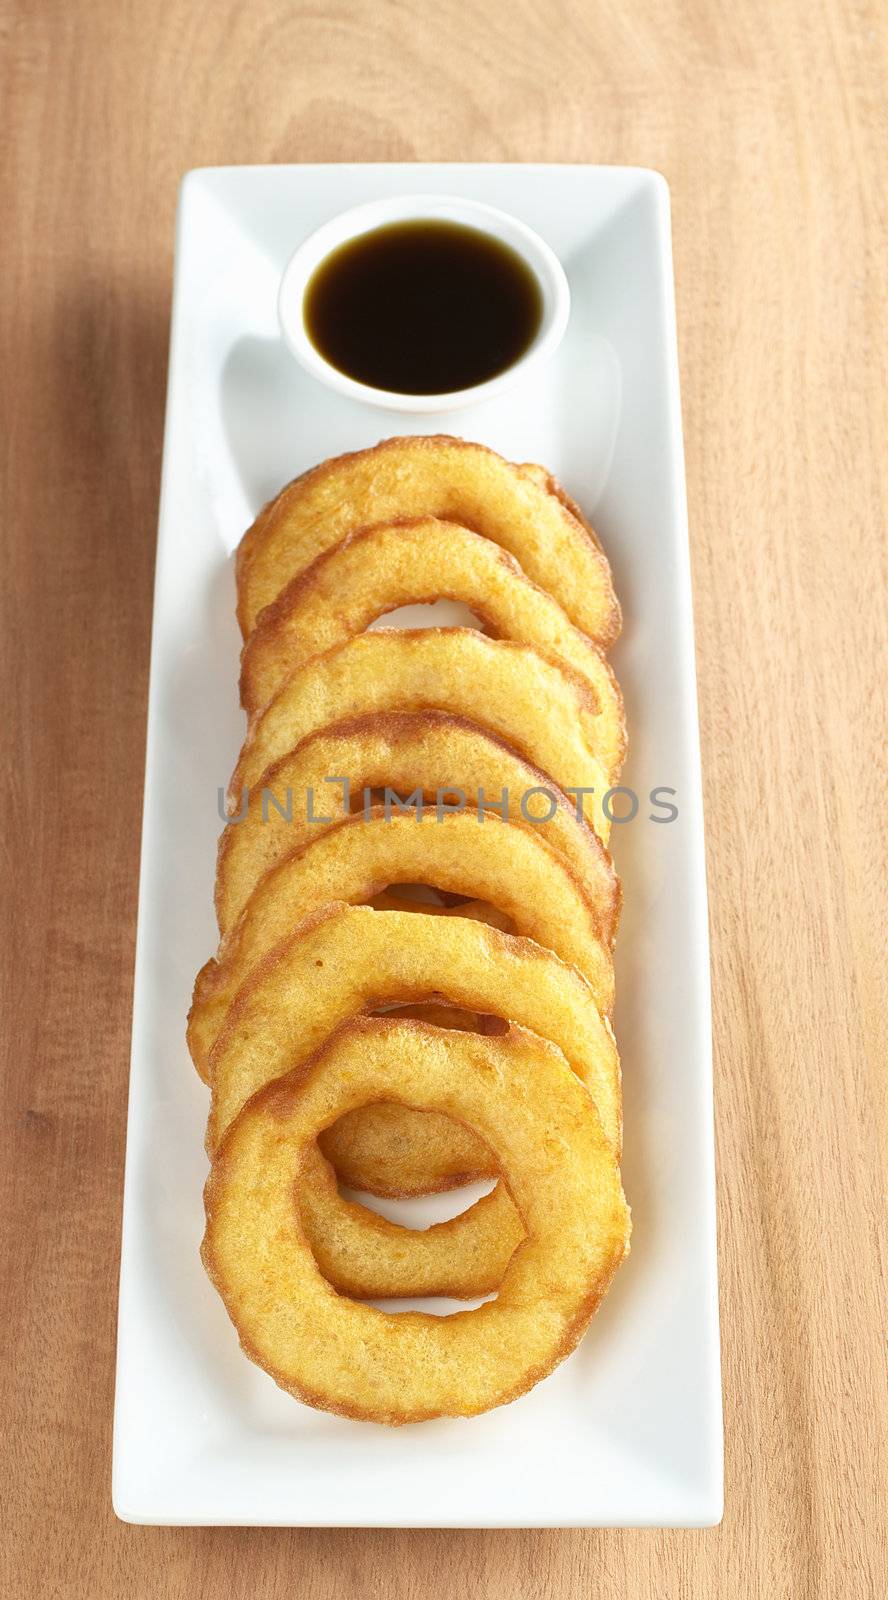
422, 307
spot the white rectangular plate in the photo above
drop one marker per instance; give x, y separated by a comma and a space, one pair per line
628, 1430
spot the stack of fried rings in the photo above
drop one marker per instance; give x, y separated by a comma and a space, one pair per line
417, 912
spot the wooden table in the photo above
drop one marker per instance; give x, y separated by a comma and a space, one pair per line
769, 120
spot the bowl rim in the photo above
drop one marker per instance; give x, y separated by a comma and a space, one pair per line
537, 255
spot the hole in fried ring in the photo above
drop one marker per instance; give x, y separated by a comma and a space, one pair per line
369, 1256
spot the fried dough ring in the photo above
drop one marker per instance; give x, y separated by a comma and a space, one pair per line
521, 508
352, 1359
425, 750
503, 862
477, 910
536, 704
417, 561
349, 959
441, 1015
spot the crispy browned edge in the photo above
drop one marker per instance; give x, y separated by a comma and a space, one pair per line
246, 550
273, 614
398, 720
281, 1090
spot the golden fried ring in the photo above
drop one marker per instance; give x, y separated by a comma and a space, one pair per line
506, 863
353, 1359
418, 561
367, 1257
429, 751
539, 706
522, 508
349, 959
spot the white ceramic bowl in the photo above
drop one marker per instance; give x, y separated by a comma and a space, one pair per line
542, 261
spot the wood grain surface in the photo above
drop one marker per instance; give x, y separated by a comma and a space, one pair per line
769, 120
